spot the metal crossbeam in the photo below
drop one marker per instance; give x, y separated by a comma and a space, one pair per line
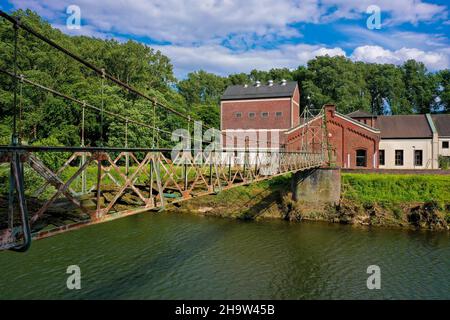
153, 181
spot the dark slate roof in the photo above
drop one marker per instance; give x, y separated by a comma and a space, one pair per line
357, 122
442, 124
404, 126
264, 91
360, 114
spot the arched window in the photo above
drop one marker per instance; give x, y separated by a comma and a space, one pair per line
361, 158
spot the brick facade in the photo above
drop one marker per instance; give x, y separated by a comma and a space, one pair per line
257, 122
345, 136
289, 107
260, 120
231, 120
370, 121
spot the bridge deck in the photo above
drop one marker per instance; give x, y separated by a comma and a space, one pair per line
95, 185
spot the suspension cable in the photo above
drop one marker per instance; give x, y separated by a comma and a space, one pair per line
83, 103
14, 138
101, 112
20, 107
100, 71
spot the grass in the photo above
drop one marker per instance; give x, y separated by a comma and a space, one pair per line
379, 188
248, 192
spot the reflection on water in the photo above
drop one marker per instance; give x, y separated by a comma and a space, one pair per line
186, 257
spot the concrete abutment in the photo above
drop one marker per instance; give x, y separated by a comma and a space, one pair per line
319, 186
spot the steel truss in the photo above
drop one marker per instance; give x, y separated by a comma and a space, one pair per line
148, 179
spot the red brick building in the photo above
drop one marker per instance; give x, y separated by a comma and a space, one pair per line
352, 144
364, 117
259, 113
268, 117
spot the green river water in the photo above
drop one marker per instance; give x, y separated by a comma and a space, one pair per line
174, 256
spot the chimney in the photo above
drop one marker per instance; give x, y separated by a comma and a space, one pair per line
283, 82
330, 108
258, 83
270, 83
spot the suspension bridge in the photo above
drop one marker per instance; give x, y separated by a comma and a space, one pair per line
99, 184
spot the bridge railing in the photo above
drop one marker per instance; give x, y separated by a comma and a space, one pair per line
66, 187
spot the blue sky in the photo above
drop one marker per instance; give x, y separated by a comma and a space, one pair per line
229, 36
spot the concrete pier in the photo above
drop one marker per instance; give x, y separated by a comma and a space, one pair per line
320, 185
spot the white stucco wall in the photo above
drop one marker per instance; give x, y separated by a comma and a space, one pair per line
408, 146
444, 152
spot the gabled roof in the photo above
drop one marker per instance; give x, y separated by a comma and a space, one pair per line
277, 90
363, 125
442, 123
404, 126
340, 115
360, 114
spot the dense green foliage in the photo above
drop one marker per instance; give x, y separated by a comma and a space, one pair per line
444, 162
382, 88
390, 188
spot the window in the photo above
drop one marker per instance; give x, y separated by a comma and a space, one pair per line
238, 114
361, 158
418, 157
251, 115
445, 144
381, 160
264, 114
398, 157
278, 114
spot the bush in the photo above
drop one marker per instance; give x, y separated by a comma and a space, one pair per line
53, 160
444, 162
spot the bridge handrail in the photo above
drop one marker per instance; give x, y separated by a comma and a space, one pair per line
28, 148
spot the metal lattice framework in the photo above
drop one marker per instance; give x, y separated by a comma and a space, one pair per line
150, 181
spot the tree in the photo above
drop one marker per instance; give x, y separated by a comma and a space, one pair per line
386, 88
202, 87
421, 87
444, 90
335, 80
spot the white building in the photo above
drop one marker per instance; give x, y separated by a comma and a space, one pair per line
442, 125
410, 141
407, 142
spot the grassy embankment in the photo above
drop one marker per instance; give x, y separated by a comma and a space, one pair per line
367, 199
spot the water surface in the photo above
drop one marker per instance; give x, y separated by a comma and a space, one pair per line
174, 256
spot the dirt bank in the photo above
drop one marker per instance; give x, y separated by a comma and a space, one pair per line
272, 200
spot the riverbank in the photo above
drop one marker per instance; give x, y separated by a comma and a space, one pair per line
405, 201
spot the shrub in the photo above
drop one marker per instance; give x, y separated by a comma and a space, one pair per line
53, 160
444, 162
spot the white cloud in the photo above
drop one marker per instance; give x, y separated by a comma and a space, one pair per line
221, 60
399, 11
182, 22
392, 38
193, 21
434, 60
193, 32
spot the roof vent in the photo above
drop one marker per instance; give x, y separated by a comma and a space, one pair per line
258, 83
283, 82
245, 85
270, 83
